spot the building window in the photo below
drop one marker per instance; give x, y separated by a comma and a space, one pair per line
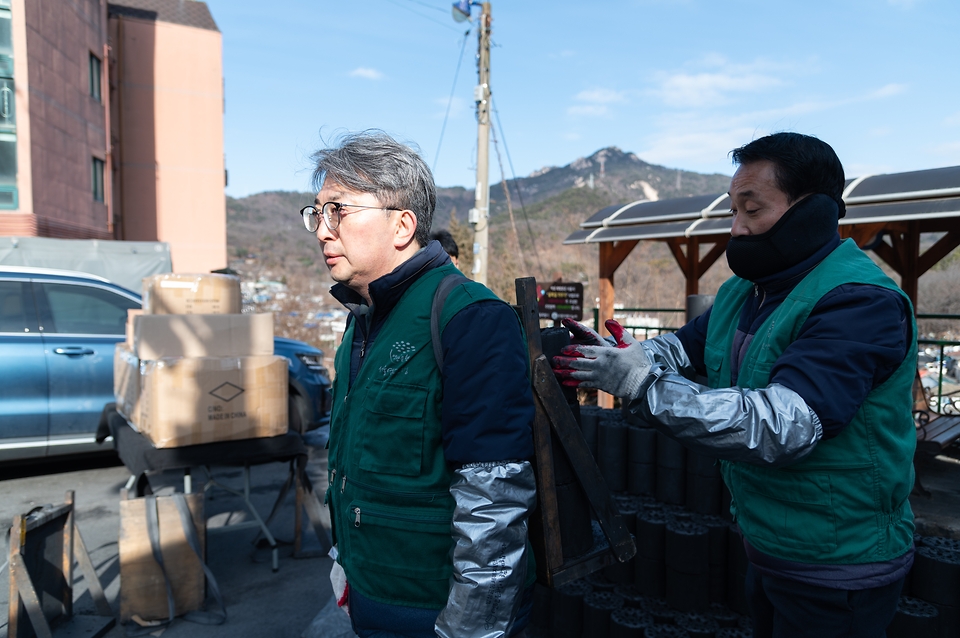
95, 77
97, 179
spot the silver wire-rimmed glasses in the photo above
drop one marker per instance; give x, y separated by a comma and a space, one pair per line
331, 212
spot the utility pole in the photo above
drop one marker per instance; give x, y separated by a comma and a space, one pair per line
480, 214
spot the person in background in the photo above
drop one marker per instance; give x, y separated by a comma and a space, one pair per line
809, 353
431, 484
449, 245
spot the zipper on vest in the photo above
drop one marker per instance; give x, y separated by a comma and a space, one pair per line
756, 293
343, 484
395, 517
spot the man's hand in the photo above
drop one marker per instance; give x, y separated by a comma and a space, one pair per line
584, 335
618, 371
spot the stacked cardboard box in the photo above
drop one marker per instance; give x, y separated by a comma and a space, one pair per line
194, 370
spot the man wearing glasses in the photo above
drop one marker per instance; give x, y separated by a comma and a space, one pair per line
430, 479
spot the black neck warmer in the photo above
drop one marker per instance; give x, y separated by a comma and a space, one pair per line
805, 228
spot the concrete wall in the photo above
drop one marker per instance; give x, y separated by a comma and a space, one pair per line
67, 127
21, 221
168, 117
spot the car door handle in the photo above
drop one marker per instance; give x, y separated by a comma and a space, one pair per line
69, 350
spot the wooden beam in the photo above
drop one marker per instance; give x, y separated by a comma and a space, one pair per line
911, 254
547, 390
863, 234
550, 556
676, 247
938, 251
612, 255
718, 249
693, 258
890, 255
939, 225
69, 532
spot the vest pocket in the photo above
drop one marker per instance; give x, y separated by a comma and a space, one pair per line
408, 542
713, 362
393, 432
794, 515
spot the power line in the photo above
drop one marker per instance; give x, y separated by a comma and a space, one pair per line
506, 193
412, 10
456, 74
431, 6
516, 185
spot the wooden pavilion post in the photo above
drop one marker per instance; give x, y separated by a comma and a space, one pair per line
612, 255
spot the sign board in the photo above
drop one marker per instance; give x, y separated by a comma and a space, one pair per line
561, 300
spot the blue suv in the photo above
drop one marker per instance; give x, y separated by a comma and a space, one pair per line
57, 334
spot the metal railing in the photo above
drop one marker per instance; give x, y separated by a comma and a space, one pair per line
944, 402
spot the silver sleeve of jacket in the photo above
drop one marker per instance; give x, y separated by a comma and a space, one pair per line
668, 351
766, 426
493, 502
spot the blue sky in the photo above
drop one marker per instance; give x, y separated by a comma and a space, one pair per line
678, 82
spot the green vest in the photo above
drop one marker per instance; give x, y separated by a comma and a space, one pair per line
389, 495
847, 502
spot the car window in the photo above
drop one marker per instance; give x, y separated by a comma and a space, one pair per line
17, 313
75, 309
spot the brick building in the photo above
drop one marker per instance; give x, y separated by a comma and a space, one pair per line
111, 124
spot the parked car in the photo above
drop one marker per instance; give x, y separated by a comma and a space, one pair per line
57, 334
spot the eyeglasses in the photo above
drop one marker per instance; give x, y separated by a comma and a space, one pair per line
331, 212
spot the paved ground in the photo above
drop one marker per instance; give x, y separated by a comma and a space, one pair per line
259, 602
297, 600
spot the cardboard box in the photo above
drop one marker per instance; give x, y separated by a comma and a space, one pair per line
183, 294
189, 401
126, 383
143, 591
160, 336
131, 313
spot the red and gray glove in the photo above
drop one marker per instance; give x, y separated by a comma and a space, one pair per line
619, 370
584, 335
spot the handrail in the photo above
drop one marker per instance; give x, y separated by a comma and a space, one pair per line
952, 404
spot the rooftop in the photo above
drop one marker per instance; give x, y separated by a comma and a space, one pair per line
186, 12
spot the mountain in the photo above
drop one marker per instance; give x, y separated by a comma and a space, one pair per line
266, 238
623, 176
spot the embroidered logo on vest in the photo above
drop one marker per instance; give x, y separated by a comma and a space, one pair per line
400, 353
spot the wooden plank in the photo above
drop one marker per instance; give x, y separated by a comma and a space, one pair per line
24, 586
936, 428
90, 576
585, 467
47, 514
594, 561
18, 533
549, 554
142, 588
66, 595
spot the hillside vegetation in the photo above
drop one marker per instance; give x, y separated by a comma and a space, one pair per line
267, 241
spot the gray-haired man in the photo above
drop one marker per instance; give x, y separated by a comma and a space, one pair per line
430, 482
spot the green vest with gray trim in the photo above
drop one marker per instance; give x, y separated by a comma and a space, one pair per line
847, 502
389, 493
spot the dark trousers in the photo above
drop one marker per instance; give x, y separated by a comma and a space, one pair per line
371, 619
783, 608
